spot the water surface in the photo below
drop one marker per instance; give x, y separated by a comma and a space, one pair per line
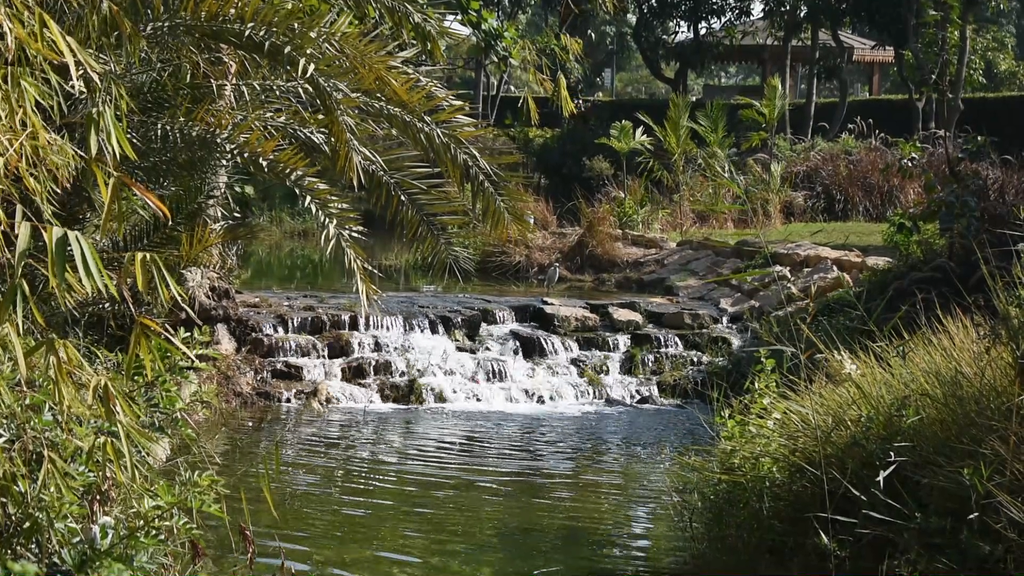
570, 490
303, 267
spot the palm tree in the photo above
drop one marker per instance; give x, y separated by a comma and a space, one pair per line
626, 140
124, 127
764, 116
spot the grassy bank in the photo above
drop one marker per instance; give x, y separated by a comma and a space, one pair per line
863, 236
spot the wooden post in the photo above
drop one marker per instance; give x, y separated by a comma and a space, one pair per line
876, 79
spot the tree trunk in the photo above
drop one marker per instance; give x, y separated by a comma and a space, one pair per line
956, 105
221, 178
917, 105
495, 103
812, 82
928, 112
478, 83
681, 82
787, 78
844, 83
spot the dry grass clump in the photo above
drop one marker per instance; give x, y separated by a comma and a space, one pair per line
533, 250
543, 211
524, 256
904, 458
597, 245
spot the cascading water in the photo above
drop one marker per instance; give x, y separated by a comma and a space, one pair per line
483, 355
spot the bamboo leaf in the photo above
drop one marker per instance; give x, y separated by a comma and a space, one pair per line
154, 203
58, 37
14, 341
21, 251
75, 239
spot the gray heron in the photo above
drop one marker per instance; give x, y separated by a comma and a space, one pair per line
551, 278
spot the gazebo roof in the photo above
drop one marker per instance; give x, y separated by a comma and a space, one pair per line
753, 41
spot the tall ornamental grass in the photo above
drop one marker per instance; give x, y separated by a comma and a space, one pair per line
902, 458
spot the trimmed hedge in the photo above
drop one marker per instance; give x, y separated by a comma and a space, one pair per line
998, 116
559, 147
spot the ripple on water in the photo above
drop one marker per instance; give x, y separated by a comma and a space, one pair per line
460, 491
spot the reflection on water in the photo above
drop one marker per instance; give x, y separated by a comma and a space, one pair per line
443, 492
303, 266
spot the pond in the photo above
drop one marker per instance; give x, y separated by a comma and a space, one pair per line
304, 267
573, 489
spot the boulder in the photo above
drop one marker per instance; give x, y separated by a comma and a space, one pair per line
590, 365
601, 307
808, 255
874, 263
223, 343
286, 346
467, 348
714, 343
690, 316
718, 294
311, 324
649, 400
296, 370
718, 248
538, 344
794, 312
648, 241
776, 296
566, 319
692, 289
523, 311
625, 320
822, 280
653, 340
566, 302
364, 368
616, 403
602, 342
340, 345
771, 277
737, 307
741, 286
713, 266
495, 315
749, 248
673, 266
467, 322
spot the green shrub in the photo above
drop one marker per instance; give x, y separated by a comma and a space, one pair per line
86, 482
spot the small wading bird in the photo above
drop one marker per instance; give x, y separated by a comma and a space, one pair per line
551, 278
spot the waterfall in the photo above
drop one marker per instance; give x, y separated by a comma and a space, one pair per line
480, 355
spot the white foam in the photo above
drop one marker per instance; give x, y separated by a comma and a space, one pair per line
495, 378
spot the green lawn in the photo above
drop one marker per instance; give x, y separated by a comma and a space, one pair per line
863, 236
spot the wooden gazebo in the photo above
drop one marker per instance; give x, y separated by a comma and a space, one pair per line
753, 43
